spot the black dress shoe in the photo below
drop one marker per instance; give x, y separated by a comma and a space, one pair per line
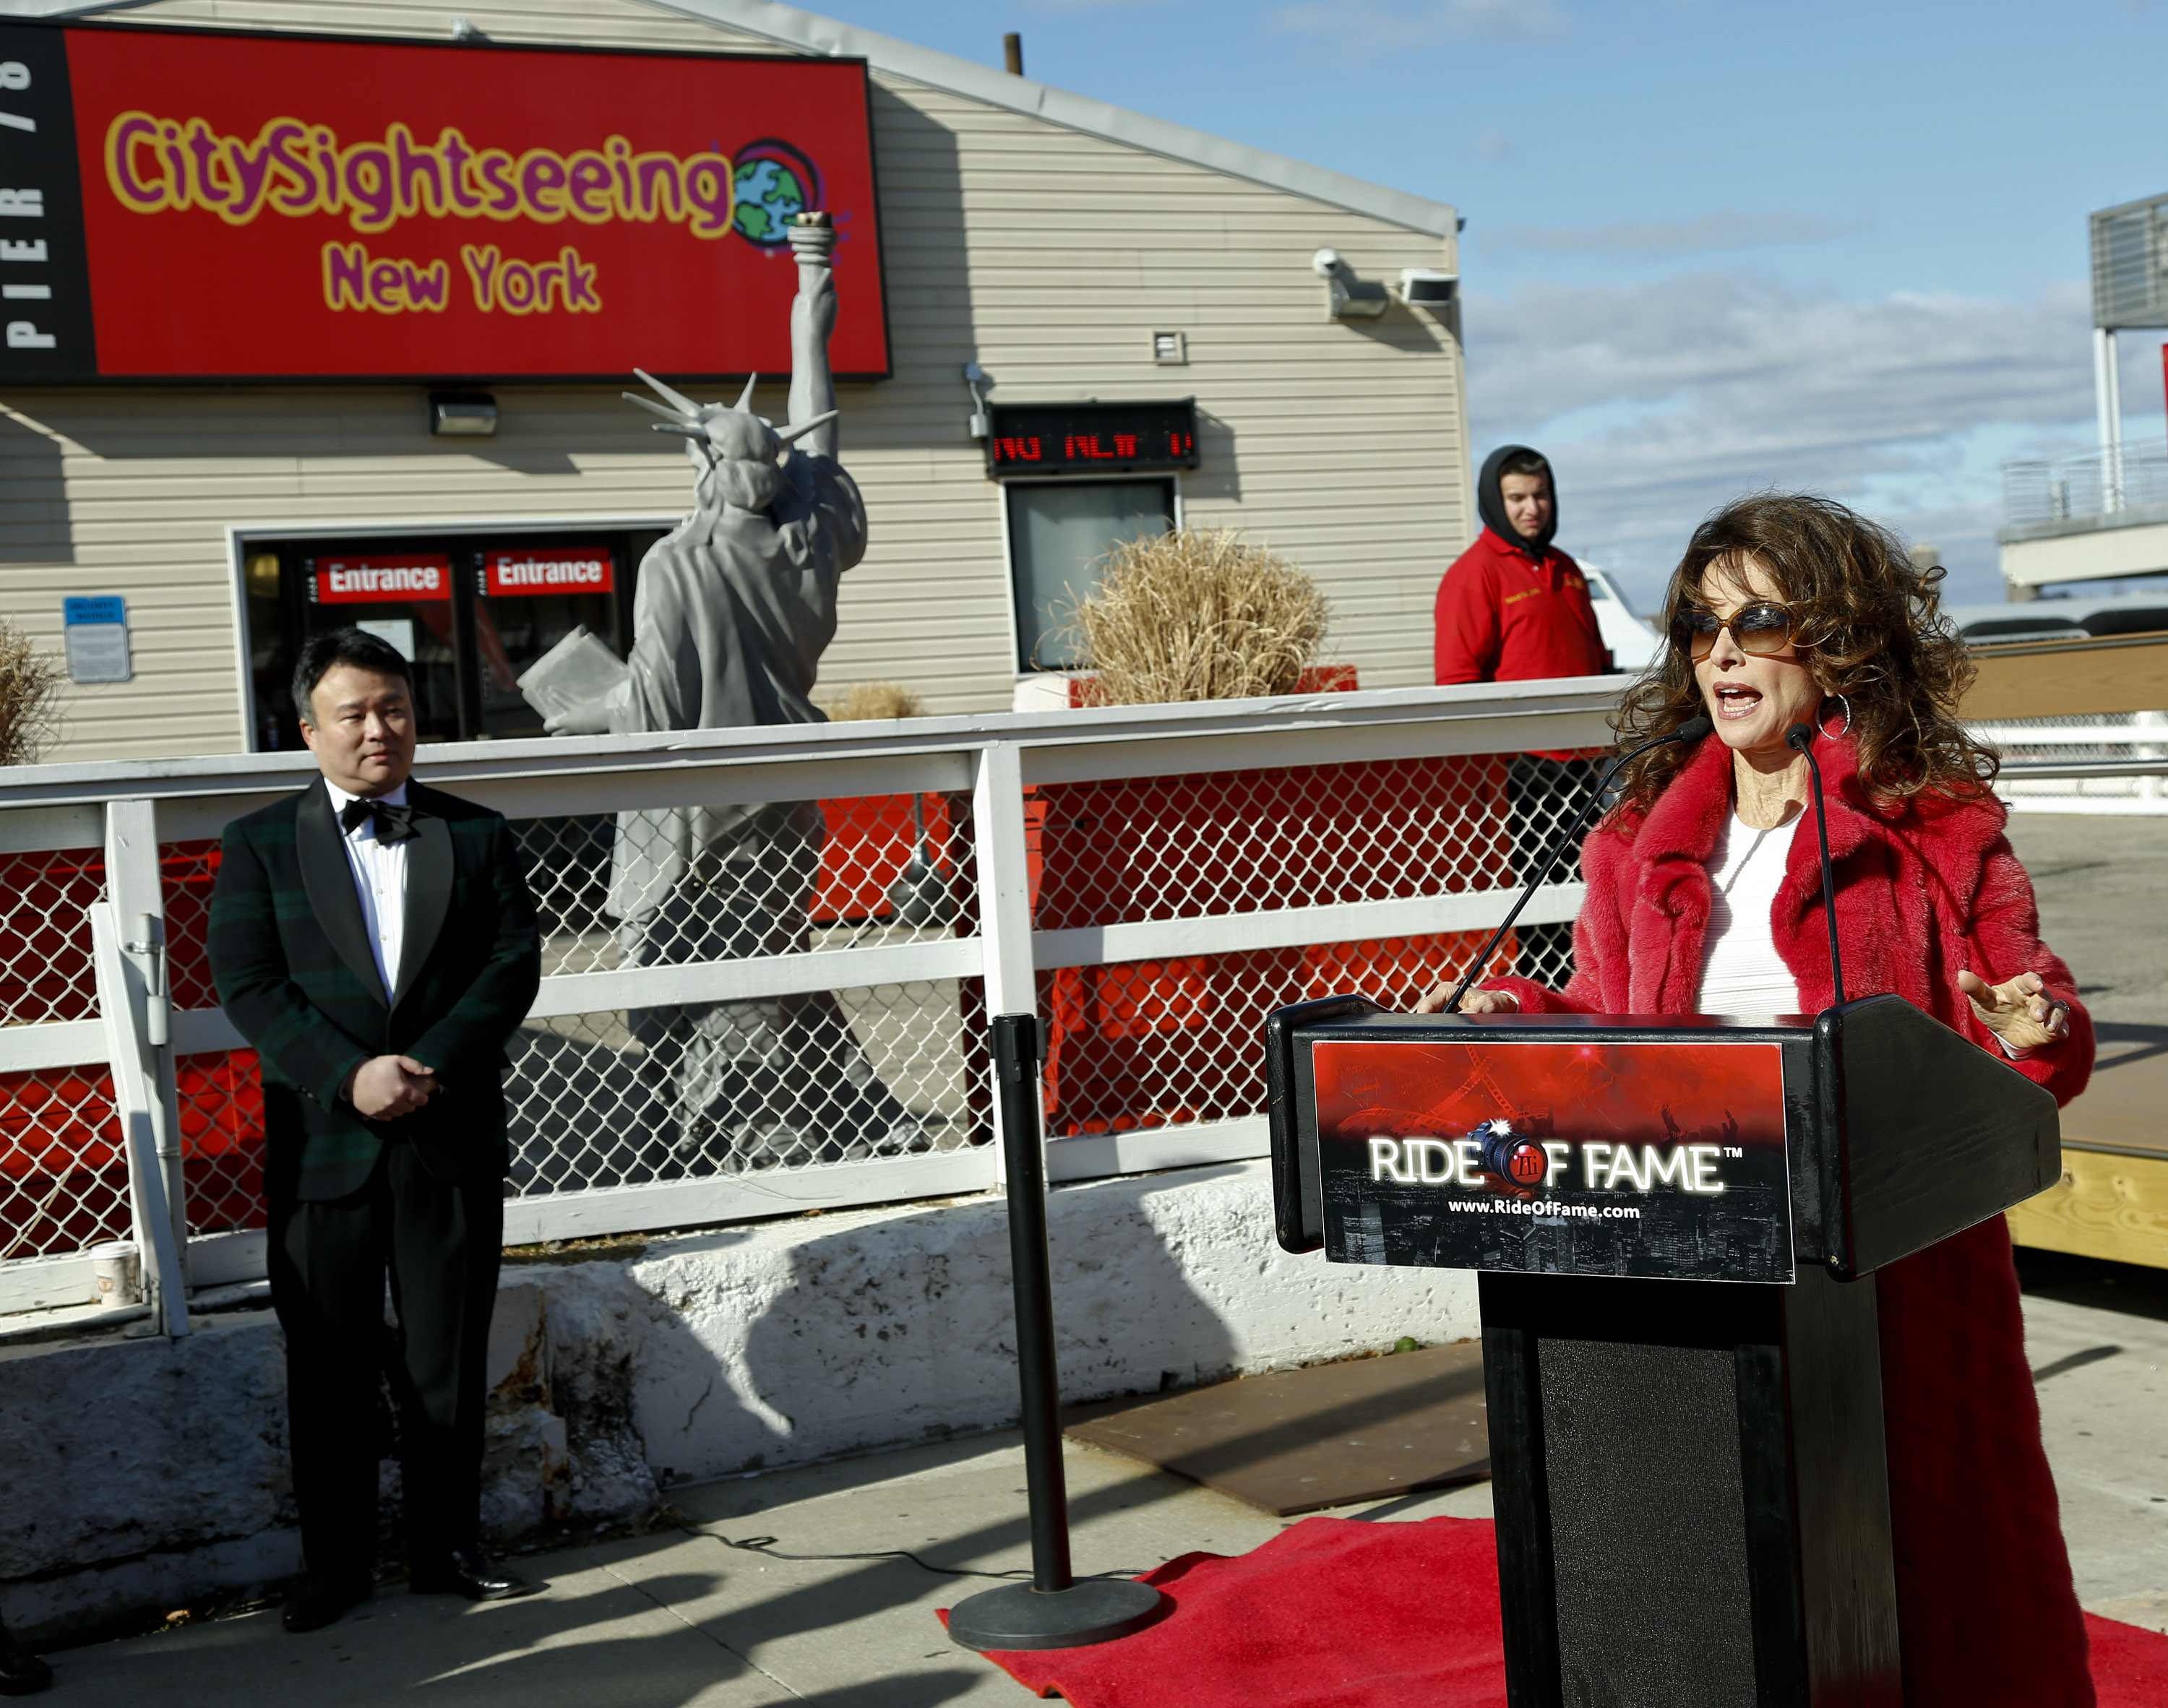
22, 1673
320, 1598
467, 1572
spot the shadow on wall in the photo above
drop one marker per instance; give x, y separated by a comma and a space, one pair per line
35, 523
927, 280
750, 1348
902, 1330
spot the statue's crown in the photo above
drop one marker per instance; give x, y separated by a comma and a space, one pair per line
731, 430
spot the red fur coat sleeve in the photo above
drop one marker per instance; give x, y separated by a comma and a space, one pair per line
2004, 935
1600, 945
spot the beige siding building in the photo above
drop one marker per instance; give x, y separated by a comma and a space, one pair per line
1052, 240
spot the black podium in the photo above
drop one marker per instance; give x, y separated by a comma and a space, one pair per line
1677, 1222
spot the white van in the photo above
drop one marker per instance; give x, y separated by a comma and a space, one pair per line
1634, 645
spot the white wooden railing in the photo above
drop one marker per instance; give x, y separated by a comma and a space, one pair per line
985, 767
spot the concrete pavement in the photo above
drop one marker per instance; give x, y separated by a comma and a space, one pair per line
683, 1619
2098, 1337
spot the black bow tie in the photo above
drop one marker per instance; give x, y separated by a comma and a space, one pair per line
393, 824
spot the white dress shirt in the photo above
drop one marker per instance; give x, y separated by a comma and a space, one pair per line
380, 880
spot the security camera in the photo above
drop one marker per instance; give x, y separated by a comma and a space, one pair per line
1428, 288
1326, 262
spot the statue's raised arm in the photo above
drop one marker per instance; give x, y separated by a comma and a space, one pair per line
812, 322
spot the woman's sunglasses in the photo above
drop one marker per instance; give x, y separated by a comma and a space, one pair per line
1762, 629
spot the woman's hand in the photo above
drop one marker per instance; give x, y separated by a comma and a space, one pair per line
1475, 1002
2021, 1012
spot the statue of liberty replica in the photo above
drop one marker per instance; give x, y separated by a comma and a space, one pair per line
732, 611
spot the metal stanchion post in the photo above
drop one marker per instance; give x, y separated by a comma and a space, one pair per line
1053, 1610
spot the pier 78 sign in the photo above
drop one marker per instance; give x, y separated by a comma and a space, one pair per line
190, 205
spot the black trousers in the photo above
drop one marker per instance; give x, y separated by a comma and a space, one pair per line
438, 1244
1542, 796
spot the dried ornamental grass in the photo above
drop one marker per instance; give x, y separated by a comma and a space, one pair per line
29, 689
864, 700
1195, 616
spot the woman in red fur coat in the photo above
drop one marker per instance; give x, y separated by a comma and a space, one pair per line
1704, 896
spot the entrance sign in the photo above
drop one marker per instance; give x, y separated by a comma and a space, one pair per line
190, 204
561, 569
380, 581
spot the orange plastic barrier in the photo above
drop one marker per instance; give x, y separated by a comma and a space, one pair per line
1144, 1043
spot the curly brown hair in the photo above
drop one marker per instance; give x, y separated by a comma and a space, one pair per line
1866, 620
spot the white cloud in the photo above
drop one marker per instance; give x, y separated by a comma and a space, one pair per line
1659, 401
1367, 28
1065, 5
1726, 229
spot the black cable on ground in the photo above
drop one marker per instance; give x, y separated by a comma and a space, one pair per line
765, 1547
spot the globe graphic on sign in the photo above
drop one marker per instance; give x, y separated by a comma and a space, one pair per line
773, 184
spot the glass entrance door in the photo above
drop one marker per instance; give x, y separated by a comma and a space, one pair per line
405, 598
469, 612
528, 598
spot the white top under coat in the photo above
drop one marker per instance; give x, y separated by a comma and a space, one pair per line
1742, 973
380, 880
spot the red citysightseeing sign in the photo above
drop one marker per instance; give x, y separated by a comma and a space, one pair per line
185, 204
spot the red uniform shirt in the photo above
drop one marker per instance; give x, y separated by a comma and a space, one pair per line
1502, 619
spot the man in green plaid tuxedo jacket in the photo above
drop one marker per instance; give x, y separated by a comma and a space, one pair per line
375, 941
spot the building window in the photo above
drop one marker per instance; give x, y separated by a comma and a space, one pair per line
1058, 533
469, 612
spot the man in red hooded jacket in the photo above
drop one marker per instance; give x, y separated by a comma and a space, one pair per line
1513, 608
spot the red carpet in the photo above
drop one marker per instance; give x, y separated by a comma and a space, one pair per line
1334, 1613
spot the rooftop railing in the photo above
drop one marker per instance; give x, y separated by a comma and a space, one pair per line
2085, 483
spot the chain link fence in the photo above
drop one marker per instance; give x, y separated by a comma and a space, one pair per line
797, 988
636, 1096
1161, 1042
756, 1082
63, 1180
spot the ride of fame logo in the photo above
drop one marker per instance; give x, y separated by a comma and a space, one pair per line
1648, 1159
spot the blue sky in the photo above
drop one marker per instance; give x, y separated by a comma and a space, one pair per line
1712, 245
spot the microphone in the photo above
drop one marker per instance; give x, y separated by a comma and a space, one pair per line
1800, 739
1692, 730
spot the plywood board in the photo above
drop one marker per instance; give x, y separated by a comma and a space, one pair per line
2069, 678
2111, 1201
1299, 1441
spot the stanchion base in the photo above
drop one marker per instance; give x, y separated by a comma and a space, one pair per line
1093, 1610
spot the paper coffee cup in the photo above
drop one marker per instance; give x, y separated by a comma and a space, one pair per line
118, 1269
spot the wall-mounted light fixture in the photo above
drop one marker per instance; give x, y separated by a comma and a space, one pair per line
462, 415
1171, 349
1349, 298
976, 379
1428, 287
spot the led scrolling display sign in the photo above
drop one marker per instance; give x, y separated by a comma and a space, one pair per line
1093, 438
191, 204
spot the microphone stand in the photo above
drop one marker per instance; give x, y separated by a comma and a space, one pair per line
1800, 739
1692, 730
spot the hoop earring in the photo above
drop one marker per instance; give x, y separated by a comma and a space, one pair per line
1846, 730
